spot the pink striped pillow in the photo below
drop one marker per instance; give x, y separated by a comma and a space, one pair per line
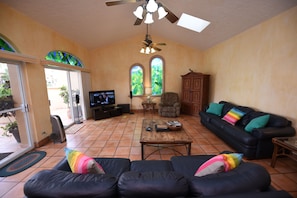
80, 163
233, 116
219, 163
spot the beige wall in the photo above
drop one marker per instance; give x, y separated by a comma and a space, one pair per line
111, 64
258, 68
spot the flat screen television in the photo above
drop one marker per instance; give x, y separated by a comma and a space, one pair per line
102, 97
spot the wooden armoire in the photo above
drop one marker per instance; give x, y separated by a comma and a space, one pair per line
195, 93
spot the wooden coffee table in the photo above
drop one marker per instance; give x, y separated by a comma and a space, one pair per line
167, 139
284, 146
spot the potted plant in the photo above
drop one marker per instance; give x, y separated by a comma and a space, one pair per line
12, 127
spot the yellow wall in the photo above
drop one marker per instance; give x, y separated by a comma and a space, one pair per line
31, 38
111, 64
258, 67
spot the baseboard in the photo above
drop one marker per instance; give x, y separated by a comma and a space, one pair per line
42, 142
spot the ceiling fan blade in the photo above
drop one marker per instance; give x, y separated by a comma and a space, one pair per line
170, 16
157, 49
113, 3
160, 43
138, 21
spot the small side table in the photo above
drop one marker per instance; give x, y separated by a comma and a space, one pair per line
284, 146
147, 106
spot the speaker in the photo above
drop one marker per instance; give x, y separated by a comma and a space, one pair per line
77, 98
131, 96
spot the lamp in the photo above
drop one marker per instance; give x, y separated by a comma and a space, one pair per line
149, 18
162, 13
147, 50
152, 6
149, 8
138, 12
148, 93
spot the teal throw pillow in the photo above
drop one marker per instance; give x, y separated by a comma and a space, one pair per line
256, 123
215, 108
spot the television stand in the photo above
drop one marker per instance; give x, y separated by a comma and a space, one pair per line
106, 112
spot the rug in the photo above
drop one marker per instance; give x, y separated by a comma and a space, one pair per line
22, 163
74, 128
4, 155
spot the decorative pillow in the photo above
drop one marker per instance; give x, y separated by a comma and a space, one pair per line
80, 163
219, 163
233, 116
215, 108
256, 123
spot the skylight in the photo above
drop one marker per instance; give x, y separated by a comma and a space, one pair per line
192, 23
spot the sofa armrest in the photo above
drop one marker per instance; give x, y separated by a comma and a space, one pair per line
177, 104
271, 132
56, 183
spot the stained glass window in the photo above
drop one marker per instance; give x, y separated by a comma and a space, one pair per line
5, 46
63, 57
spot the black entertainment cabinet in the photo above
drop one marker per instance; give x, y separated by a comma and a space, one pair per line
106, 112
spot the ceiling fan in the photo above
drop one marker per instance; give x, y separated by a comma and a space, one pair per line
148, 45
170, 16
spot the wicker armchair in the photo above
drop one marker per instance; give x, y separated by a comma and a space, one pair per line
169, 105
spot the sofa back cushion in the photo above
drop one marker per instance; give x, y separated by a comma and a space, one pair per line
153, 184
227, 107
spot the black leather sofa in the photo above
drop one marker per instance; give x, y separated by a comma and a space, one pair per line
152, 178
255, 145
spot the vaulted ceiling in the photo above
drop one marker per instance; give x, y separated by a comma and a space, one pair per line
93, 24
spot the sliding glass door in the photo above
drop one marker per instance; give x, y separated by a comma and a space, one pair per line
64, 95
15, 138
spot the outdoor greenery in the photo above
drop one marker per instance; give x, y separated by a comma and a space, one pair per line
137, 81
157, 76
64, 94
63, 57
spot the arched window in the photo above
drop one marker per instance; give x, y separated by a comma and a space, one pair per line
5, 46
64, 57
157, 75
136, 80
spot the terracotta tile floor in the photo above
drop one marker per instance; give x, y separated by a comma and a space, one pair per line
119, 137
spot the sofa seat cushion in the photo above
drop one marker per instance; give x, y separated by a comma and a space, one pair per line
151, 165
56, 183
237, 133
111, 166
152, 184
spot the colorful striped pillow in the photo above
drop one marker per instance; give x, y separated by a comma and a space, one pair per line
233, 116
219, 163
80, 163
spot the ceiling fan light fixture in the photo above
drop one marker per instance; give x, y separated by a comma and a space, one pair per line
142, 50
147, 50
152, 6
138, 12
149, 18
153, 50
162, 13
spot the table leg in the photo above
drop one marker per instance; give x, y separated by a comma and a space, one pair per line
189, 149
274, 156
142, 151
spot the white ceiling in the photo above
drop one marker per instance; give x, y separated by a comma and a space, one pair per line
93, 24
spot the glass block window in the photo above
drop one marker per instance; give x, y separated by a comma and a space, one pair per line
64, 57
